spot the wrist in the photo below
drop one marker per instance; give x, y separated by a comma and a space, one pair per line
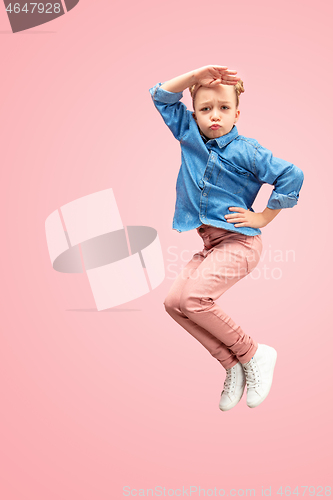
268, 215
189, 79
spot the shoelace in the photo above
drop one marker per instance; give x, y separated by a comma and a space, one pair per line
252, 374
230, 379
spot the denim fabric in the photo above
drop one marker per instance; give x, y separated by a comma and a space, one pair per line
216, 174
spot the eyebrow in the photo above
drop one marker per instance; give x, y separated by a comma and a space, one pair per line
209, 102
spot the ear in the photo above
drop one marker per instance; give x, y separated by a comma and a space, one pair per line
193, 114
237, 115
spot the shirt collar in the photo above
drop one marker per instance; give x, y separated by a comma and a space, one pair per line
224, 140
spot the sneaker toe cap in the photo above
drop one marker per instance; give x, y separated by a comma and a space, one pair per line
226, 402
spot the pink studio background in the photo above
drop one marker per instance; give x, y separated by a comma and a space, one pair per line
95, 401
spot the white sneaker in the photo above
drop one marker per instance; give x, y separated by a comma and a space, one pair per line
259, 374
233, 389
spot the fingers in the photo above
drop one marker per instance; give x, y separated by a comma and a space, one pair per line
237, 219
216, 81
223, 69
240, 216
224, 73
230, 81
237, 209
217, 69
229, 77
211, 76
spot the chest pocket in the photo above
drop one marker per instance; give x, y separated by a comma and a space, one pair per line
232, 178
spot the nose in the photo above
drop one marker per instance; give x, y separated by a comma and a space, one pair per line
215, 115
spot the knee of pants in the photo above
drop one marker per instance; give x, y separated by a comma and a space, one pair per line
194, 304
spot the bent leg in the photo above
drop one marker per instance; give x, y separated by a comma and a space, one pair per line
172, 305
223, 266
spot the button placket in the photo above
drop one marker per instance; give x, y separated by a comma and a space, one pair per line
207, 174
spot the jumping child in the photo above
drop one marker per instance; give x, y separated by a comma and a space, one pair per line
219, 178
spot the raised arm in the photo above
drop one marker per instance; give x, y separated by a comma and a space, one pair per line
167, 96
207, 76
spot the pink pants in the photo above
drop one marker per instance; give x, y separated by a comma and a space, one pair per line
226, 258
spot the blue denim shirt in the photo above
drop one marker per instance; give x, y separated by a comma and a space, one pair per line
216, 174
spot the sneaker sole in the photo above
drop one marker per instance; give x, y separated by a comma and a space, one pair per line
273, 362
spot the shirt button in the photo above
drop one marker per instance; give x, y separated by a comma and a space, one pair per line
204, 194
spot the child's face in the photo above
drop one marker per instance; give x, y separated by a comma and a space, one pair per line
215, 110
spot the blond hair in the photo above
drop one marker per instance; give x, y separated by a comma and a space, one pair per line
239, 89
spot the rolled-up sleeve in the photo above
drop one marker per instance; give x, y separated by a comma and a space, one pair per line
286, 178
174, 113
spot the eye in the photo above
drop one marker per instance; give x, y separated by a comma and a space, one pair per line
225, 107
204, 109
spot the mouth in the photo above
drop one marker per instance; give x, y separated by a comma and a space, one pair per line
214, 127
